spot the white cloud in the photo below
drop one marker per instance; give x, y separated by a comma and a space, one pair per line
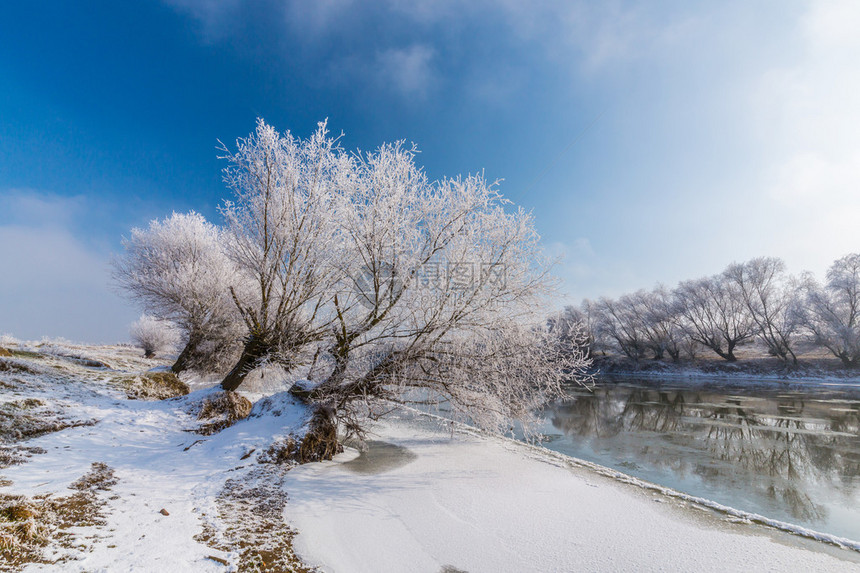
213, 16
807, 105
31, 207
731, 131
220, 19
807, 123
576, 36
54, 284
408, 70
316, 18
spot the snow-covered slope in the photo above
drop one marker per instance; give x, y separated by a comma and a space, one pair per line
159, 463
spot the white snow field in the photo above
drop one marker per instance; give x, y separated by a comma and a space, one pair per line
421, 498
480, 504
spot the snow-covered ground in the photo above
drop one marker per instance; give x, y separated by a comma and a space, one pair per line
473, 503
421, 498
158, 461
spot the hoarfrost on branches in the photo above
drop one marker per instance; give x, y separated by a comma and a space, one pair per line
714, 314
831, 312
177, 268
153, 335
372, 281
770, 297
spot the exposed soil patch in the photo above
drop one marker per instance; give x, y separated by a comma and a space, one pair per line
250, 511
29, 525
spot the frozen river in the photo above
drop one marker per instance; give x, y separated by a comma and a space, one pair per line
788, 452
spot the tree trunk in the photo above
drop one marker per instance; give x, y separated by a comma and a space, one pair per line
184, 358
728, 356
730, 351
367, 385
848, 361
251, 354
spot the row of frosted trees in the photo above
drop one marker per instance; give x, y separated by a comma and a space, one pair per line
752, 301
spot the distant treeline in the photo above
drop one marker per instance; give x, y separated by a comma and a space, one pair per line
755, 300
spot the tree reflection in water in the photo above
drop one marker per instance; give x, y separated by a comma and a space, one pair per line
776, 448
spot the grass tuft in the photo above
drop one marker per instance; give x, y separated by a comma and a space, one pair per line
320, 442
222, 410
152, 386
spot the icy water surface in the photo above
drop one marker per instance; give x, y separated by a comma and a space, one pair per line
787, 452
379, 457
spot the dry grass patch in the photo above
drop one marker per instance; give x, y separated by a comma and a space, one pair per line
14, 455
4, 352
88, 362
27, 354
152, 386
321, 441
284, 451
222, 410
29, 525
16, 367
28, 418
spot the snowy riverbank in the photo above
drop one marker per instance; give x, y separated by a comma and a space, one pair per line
421, 498
815, 371
473, 503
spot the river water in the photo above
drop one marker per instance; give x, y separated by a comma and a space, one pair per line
788, 452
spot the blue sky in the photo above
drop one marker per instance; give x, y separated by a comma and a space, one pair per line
653, 141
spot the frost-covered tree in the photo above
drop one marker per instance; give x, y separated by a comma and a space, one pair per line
640, 322
177, 269
388, 286
570, 326
770, 297
831, 312
714, 314
441, 300
588, 315
658, 314
579, 323
284, 223
618, 320
153, 335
